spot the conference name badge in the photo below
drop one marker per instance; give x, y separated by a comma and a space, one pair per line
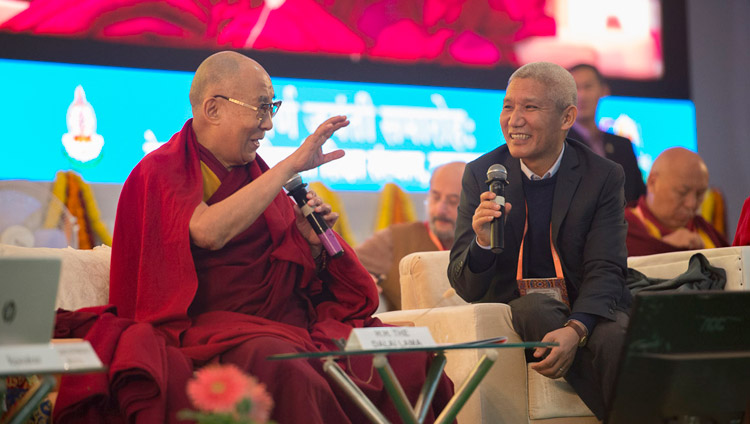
552, 287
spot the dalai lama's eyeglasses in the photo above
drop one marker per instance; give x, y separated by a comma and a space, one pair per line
263, 109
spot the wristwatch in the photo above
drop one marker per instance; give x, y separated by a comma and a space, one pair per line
581, 330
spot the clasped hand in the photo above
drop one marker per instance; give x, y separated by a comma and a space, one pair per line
306, 229
559, 358
484, 214
684, 239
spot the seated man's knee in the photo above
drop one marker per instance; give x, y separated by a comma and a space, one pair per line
536, 314
537, 306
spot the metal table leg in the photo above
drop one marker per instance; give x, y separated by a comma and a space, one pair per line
430, 386
467, 388
339, 376
395, 391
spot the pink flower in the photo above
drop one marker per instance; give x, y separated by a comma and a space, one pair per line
261, 401
218, 388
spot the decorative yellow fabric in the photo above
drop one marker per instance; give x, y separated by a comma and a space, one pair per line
211, 182
92, 211
79, 198
395, 207
712, 210
342, 225
76, 207
54, 210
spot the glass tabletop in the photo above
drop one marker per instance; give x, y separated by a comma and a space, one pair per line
437, 348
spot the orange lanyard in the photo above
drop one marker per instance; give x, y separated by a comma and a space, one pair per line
434, 238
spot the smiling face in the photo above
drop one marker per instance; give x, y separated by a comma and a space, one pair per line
533, 125
239, 125
229, 129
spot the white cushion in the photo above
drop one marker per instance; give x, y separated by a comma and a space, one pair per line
84, 277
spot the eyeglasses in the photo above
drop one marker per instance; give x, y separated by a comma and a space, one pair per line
263, 109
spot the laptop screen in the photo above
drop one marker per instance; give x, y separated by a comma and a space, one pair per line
686, 359
28, 289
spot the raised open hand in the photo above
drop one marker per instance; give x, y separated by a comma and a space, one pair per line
310, 154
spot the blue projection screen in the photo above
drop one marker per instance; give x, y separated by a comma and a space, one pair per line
100, 121
652, 125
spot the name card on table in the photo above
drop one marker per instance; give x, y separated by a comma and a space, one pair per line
389, 338
79, 356
47, 358
29, 359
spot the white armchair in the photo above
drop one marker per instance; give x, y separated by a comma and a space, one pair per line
511, 392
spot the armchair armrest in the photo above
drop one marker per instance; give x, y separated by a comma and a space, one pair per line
424, 281
734, 260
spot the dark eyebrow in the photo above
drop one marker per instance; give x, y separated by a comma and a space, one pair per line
264, 99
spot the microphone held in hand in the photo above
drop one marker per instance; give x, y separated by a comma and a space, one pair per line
497, 179
297, 191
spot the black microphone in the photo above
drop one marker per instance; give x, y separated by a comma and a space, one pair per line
296, 189
497, 179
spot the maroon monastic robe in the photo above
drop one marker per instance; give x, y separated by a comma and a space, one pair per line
645, 231
179, 306
742, 235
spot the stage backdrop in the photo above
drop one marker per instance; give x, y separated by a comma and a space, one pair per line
100, 121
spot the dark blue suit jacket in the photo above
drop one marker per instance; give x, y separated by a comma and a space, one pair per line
588, 230
620, 150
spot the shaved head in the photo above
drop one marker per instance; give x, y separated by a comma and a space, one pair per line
223, 73
678, 160
676, 185
227, 91
452, 170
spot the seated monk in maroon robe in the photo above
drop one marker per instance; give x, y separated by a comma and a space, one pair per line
665, 218
212, 262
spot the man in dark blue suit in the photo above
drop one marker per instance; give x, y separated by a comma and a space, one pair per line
574, 201
592, 87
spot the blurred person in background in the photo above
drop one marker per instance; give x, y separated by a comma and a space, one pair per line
381, 253
592, 87
666, 218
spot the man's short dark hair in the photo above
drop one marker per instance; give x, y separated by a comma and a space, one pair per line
592, 68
